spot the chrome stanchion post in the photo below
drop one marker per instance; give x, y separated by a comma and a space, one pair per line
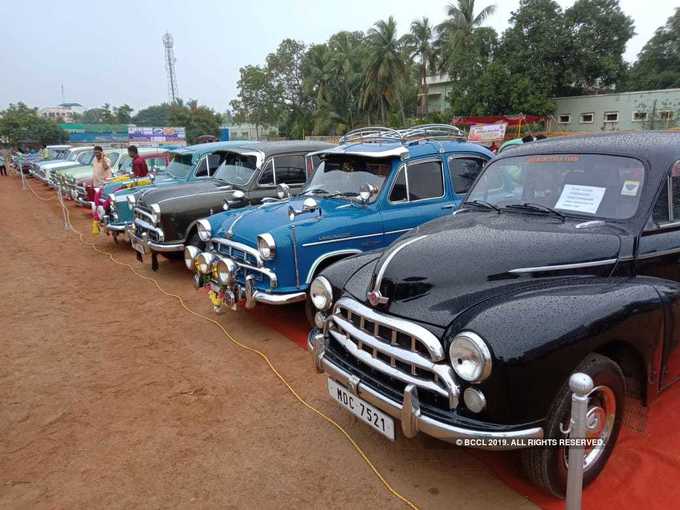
581, 385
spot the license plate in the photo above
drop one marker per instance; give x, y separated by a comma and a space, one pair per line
362, 410
138, 246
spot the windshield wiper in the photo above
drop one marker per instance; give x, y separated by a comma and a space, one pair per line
315, 191
530, 206
484, 205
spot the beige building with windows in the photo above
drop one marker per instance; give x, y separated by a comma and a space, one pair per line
625, 111
63, 113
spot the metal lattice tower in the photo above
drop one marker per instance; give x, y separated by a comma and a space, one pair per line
168, 43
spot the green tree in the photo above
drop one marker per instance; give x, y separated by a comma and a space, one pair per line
22, 124
101, 115
385, 68
198, 120
455, 32
256, 102
419, 44
123, 114
658, 64
600, 31
153, 116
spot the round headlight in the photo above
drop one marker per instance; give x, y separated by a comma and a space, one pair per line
266, 246
470, 357
190, 254
321, 293
204, 230
474, 400
226, 268
204, 262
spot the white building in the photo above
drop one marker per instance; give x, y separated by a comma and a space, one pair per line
62, 113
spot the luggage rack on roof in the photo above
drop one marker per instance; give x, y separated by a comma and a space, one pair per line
403, 136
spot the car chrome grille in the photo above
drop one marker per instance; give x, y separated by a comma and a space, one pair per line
143, 214
237, 255
401, 350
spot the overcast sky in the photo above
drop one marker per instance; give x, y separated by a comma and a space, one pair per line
111, 52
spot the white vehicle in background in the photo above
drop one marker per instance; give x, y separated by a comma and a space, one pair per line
77, 156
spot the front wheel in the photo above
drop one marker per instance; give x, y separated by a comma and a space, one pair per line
547, 466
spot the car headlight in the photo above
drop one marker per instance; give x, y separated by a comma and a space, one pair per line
204, 262
470, 357
204, 230
225, 270
321, 293
266, 246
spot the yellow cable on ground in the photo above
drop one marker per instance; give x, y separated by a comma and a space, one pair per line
261, 354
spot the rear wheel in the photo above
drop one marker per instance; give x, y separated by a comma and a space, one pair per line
547, 467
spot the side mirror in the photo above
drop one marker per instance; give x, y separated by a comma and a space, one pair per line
308, 205
367, 192
283, 191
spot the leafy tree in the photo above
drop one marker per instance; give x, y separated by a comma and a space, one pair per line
456, 30
256, 102
101, 115
20, 123
600, 31
658, 65
153, 116
198, 120
123, 114
385, 68
419, 44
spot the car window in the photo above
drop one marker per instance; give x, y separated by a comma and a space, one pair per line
113, 157
662, 215
156, 163
267, 176
125, 163
208, 165
463, 172
418, 181
290, 169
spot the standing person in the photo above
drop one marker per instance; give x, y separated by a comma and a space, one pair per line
139, 168
101, 168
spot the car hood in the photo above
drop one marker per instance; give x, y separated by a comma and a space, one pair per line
443, 267
273, 217
161, 194
61, 164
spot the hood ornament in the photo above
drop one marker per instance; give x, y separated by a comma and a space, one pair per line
376, 298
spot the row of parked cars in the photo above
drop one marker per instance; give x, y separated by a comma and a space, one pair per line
448, 289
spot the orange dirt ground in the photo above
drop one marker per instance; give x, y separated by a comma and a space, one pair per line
112, 396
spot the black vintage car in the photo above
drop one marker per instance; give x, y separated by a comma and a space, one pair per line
564, 257
166, 217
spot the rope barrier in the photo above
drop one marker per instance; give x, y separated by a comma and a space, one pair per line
243, 346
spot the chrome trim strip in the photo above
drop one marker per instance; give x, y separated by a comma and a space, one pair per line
198, 193
340, 239
273, 279
230, 231
395, 251
279, 299
241, 247
293, 236
562, 267
425, 424
325, 256
660, 253
143, 213
429, 340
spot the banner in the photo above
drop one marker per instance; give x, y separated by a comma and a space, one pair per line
157, 135
487, 133
96, 133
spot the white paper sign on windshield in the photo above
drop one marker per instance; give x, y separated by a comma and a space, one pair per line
578, 198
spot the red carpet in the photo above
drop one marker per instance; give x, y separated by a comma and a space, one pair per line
642, 473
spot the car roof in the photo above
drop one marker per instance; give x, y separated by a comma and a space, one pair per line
202, 148
271, 148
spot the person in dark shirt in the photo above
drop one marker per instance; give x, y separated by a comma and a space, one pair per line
139, 168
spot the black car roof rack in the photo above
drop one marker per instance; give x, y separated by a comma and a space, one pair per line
403, 136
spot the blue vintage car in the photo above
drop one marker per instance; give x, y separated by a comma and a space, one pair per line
188, 164
365, 193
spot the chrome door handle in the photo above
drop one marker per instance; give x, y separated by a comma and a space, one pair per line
449, 206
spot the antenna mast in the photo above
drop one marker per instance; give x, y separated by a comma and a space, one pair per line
168, 43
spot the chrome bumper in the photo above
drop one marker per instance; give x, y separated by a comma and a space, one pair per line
409, 413
152, 245
279, 299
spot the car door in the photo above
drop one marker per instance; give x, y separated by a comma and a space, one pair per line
419, 193
659, 256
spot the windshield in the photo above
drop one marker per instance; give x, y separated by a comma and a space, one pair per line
236, 169
85, 158
74, 155
125, 164
180, 166
346, 174
56, 154
580, 184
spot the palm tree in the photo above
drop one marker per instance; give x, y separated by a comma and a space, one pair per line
455, 31
419, 45
385, 67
